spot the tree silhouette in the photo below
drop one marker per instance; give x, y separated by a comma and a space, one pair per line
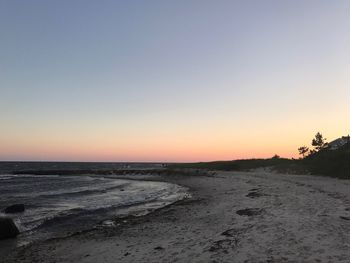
319, 142
303, 150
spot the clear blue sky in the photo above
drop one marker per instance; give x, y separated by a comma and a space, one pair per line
170, 80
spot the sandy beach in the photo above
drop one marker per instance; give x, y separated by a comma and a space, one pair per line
231, 217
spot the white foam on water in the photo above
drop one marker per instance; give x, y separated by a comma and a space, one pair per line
58, 203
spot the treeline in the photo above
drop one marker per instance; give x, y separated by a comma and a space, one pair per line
319, 159
326, 160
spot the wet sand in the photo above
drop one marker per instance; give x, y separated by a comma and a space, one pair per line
231, 217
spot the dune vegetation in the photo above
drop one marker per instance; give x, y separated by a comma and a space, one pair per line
322, 159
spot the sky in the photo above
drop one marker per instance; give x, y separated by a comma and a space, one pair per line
171, 81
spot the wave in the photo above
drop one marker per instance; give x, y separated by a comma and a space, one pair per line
82, 192
90, 217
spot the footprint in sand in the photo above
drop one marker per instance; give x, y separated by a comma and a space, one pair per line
233, 232
250, 212
236, 232
223, 245
255, 193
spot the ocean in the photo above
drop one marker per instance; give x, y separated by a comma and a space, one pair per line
59, 205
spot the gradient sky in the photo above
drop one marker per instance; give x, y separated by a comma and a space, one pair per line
171, 80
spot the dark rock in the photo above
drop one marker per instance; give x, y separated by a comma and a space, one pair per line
345, 217
17, 208
249, 212
8, 228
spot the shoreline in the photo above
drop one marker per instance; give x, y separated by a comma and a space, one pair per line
248, 216
122, 212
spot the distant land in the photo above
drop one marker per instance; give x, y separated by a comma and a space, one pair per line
332, 160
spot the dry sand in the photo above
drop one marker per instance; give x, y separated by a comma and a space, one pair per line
291, 219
